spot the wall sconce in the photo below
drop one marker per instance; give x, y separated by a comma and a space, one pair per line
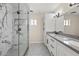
59, 13
73, 4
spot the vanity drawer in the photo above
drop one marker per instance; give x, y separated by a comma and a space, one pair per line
53, 49
52, 42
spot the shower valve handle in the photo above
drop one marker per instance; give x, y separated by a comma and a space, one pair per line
19, 29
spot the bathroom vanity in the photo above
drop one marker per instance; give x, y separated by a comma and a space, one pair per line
59, 45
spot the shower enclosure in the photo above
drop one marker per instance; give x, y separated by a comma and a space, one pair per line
14, 29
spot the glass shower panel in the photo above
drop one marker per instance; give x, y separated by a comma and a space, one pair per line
23, 28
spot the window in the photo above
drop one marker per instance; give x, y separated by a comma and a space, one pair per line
33, 22
67, 22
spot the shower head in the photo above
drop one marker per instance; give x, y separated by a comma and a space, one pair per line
31, 10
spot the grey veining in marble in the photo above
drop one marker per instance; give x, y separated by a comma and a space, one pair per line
37, 49
13, 51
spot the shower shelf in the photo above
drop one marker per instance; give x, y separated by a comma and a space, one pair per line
19, 19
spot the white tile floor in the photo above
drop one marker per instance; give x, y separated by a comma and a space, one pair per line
37, 49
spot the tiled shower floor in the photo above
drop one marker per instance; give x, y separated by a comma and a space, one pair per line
13, 52
37, 49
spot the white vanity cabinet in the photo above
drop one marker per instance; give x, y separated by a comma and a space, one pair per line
62, 50
51, 44
57, 48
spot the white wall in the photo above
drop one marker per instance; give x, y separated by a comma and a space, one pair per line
36, 32
49, 22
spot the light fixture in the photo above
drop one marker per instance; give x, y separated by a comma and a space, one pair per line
73, 4
59, 13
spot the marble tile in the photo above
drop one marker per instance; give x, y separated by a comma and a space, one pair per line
37, 49
12, 52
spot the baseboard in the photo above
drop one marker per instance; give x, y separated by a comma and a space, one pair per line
35, 42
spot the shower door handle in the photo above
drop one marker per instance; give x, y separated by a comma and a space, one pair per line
19, 29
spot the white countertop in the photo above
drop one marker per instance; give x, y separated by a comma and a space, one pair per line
70, 42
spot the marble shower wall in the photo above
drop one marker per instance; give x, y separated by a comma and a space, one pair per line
5, 28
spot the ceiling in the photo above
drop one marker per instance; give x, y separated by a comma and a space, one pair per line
43, 7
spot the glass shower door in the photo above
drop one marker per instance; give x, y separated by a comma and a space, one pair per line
23, 28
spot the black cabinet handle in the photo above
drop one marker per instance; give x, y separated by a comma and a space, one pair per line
51, 46
47, 41
52, 54
52, 40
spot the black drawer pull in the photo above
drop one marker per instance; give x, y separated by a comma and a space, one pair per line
52, 54
52, 40
51, 46
47, 41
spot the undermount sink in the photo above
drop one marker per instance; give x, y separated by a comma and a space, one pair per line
67, 39
75, 43
71, 42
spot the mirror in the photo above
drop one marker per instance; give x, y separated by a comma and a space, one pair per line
71, 22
